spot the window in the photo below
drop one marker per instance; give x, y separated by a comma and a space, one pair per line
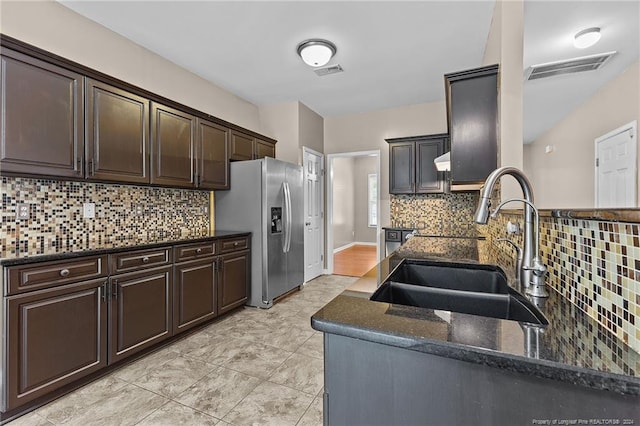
373, 199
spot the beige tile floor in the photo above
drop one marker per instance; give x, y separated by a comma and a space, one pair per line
253, 367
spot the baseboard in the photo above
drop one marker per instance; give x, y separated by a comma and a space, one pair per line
355, 243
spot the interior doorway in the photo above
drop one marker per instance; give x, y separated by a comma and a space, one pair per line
313, 164
616, 168
353, 206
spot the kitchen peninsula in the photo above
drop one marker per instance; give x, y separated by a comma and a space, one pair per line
392, 364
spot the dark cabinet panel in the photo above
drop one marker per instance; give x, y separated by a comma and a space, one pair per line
264, 149
172, 147
241, 146
472, 109
212, 156
428, 178
55, 336
194, 297
411, 166
117, 134
235, 275
41, 120
402, 167
140, 311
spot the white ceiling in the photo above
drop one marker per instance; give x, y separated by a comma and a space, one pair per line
394, 53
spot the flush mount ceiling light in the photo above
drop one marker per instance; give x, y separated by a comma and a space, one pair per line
586, 38
316, 52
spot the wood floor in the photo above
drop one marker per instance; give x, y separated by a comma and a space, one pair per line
354, 261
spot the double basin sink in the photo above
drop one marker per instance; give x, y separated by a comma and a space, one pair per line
474, 289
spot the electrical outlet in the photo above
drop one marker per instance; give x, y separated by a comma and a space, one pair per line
513, 228
89, 210
22, 211
205, 210
137, 209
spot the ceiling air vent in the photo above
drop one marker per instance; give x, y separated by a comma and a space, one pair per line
568, 66
331, 69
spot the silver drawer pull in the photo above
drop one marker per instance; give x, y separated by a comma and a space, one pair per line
236, 244
64, 273
198, 251
145, 259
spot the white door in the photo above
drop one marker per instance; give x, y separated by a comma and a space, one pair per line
616, 181
313, 164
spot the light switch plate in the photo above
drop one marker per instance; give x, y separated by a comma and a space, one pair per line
22, 211
89, 210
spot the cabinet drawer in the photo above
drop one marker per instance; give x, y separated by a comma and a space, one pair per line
392, 235
49, 274
195, 251
233, 244
140, 259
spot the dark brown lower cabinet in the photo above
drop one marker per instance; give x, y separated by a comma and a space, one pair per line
140, 311
194, 297
55, 336
235, 273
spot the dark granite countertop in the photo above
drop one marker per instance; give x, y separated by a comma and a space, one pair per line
572, 348
112, 245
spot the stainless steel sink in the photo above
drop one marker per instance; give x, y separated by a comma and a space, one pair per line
459, 287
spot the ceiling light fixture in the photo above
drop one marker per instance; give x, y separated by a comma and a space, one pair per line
586, 38
316, 52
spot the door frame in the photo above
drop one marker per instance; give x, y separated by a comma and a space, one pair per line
633, 126
329, 211
306, 150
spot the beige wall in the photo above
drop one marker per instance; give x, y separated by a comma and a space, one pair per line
505, 47
280, 121
368, 131
53, 27
343, 204
363, 166
311, 128
565, 177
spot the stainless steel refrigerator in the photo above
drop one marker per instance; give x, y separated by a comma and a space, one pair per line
266, 198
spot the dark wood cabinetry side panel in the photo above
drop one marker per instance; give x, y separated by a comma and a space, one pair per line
172, 148
428, 178
213, 156
41, 122
140, 311
241, 147
402, 168
117, 134
264, 149
235, 275
54, 337
194, 296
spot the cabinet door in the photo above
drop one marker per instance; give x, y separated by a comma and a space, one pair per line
55, 336
235, 275
264, 149
402, 168
212, 156
117, 134
472, 99
241, 147
194, 298
428, 178
41, 120
140, 311
172, 147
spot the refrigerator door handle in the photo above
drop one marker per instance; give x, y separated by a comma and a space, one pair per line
287, 226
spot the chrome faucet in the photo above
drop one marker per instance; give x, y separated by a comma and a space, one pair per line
532, 272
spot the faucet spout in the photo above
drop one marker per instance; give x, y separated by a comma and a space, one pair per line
533, 271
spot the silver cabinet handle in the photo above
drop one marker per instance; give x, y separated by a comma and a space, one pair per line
236, 244
145, 259
198, 251
64, 273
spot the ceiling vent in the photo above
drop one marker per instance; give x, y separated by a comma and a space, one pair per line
331, 69
568, 66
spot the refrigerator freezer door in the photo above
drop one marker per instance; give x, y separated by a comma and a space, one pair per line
274, 257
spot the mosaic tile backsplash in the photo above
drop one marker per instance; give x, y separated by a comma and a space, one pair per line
593, 264
56, 217
435, 214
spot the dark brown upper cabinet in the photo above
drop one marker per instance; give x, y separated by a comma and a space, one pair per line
41, 121
172, 147
117, 134
212, 156
241, 146
264, 149
411, 166
472, 115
